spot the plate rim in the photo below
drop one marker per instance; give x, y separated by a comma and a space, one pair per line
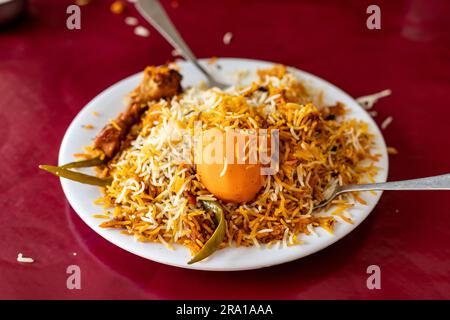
200, 266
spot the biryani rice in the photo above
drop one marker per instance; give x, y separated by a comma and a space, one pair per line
155, 198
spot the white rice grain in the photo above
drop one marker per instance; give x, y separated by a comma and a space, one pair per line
131, 21
386, 122
141, 31
367, 102
227, 38
21, 258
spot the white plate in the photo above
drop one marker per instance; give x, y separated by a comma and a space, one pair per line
109, 104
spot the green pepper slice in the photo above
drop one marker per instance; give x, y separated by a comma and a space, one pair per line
85, 163
76, 176
217, 237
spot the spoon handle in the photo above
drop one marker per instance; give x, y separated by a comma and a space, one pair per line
155, 14
441, 182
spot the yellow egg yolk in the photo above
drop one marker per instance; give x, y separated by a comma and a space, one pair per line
230, 182
239, 183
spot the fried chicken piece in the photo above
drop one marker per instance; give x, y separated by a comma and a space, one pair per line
158, 82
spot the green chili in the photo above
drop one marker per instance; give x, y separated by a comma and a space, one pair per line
217, 237
85, 163
76, 176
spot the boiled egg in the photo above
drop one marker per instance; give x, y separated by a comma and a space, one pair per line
230, 182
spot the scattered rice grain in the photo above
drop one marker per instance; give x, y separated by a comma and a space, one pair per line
21, 258
386, 122
131, 21
227, 37
141, 31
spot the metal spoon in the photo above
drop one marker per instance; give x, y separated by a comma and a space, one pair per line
441, 182
155, 14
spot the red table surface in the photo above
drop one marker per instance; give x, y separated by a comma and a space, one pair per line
48, 73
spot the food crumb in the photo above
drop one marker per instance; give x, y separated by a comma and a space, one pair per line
367, 102
212, 60
117, 7
202, 85
227, 37
21, 258
386, 122
100, 216
176, 53
88, 126
141, 31
82, 2
95, 113
373, 113
392, 150
131, 21
81, 155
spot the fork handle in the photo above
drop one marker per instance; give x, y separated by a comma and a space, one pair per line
154, 13
441, 182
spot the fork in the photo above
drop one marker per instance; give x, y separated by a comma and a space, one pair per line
441, 182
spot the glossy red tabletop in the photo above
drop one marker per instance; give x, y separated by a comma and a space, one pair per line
48, 73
